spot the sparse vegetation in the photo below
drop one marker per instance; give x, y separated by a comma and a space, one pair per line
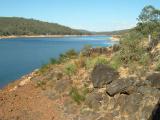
53, 61
78, 96
70, 54
44, 68
70, 69
91, 62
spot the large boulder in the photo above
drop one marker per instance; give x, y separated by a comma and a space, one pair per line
154, 79
118, 86
103, 74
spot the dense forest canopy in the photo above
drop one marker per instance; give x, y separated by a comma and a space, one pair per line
22, 26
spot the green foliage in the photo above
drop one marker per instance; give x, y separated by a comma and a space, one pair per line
85, 49
22, 26
145, 59
70, 54
44, 68
149, 20
115, 62
101, 60
91, 62
70, 69
53, 61
131, 48
77, 96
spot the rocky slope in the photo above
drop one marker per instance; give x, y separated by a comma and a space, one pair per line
99, 93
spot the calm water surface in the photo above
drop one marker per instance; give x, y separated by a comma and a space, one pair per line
20, 56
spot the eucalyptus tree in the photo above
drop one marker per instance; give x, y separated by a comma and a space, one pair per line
149, 21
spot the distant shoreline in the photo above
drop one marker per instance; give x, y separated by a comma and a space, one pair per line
40, 36
36, 36
112, 38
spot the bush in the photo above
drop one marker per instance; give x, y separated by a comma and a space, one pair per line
70, 69
53, 61
70, 54
115, 62
91, 62
44, 68
85, 49
145, 59
77, 96
131, 48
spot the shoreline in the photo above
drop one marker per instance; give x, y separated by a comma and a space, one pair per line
115, 38
41, 36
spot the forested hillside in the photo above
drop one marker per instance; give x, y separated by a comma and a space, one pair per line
22, 26
117, 32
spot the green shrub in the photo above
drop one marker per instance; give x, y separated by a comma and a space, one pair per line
115, 61
101, 60
70, 69
44, 68
91, 62
145, 59
85, 49
77, 96
70, 54
131, 48
53, 61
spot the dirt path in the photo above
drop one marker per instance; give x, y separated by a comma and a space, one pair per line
27, 103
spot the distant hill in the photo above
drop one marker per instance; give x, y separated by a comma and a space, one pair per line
118, 32
23, 26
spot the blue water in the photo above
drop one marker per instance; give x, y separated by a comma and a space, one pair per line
20, 56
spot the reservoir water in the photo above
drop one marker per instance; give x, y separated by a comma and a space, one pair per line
19, 56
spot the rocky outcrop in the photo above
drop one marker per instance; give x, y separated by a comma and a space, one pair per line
125, 99
119, 86
154, 79
103, 74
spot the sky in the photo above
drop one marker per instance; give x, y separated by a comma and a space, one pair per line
92, 15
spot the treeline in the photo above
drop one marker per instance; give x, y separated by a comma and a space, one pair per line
117, 32
22, 26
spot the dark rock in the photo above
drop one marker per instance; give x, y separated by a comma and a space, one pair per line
148, 91
156, 112
103, 74
154, 79
131, 104
118, 86
93, 100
